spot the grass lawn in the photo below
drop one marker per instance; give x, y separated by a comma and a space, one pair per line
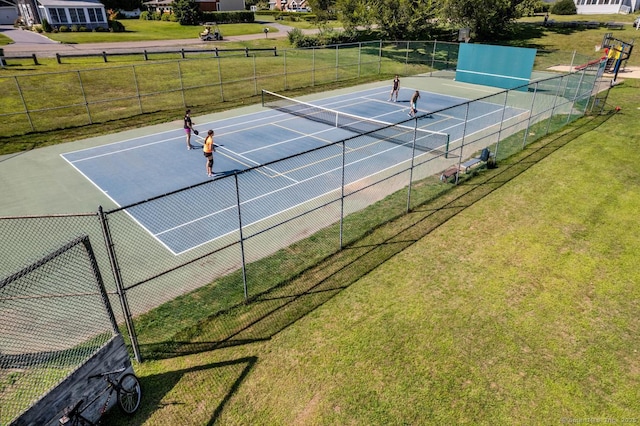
513, 299
582, 40
4, 40
137, 30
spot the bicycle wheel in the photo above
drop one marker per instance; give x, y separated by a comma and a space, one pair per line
129, 393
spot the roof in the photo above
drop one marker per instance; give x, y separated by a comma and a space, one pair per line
158, 3
70, 3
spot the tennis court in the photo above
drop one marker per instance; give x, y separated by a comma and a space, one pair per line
133, 170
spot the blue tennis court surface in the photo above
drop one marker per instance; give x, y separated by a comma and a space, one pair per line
129, 171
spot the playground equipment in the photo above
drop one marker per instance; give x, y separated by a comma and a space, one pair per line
208, 35
617, 52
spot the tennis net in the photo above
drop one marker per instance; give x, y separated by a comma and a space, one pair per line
425, 140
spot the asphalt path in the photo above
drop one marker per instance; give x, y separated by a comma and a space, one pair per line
26, 43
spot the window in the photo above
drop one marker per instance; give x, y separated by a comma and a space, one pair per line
77, 15
58, 16
95, 15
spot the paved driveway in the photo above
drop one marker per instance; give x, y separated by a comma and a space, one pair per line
28, 42
24, 36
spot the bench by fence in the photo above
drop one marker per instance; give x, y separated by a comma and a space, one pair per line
486, 158
182, 52
614, 25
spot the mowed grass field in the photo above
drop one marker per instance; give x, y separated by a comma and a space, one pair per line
511, 300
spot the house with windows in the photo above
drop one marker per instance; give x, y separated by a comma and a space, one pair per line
83, 13
605, 7
289, 5
166, 6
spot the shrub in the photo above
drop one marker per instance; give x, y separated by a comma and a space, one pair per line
116, 26
564, 7
46, 26
236, 17
63, 29
38, 28
145, 16
165, 17
74, 28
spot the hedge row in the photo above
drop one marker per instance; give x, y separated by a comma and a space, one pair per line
235, 17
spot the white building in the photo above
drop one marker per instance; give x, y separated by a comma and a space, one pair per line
604, 7
83, 13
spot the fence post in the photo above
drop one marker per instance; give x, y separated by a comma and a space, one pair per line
104, 56
24, 103
359, 57
344, 154
35, 60
58, 58
380, 58
146, 56
182, 53
464, 134
244, 264
246, 52
255, 76
84, 97
2, 61
433, 57
275, 51
504, 110
284, 58
553, 108
575, 98
220, 75
115, 269
406, 60
337, 63
533, 103
135, 80
413, 162
184, 100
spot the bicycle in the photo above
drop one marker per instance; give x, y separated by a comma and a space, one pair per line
128, 393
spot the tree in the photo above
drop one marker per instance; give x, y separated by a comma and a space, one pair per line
186, 12
564, 7
402, 19
354, 13
487, 19
323, 9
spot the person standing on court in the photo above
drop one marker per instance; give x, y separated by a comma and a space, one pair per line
413, 109
188, 127
208, 149
395, 89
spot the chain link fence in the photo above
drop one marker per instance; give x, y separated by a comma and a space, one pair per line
55, 316
207, 274
83, 97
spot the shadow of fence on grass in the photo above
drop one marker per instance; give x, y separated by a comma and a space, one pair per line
268, 313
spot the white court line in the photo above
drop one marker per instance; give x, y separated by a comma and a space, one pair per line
470, 88
282, 189
304, 181
255, 163
508, 77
